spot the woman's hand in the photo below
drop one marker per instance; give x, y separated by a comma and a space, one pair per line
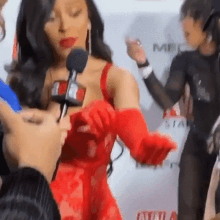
31, 139
96, 119
64, 123
135, 50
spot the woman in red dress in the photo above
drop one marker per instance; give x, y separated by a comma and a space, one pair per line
47, 31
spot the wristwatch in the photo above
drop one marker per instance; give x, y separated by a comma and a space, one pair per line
145, 69
144, 64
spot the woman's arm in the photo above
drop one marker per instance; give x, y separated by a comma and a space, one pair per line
125, 89
166, 96
145, 147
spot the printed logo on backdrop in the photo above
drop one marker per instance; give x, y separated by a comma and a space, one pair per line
169, 47
181, 123
173, 120
179, 119
156, 215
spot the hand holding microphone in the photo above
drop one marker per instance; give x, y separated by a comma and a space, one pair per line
30, 144
9, 96
36, 145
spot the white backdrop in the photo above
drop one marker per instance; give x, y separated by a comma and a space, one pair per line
142, 189
138, 190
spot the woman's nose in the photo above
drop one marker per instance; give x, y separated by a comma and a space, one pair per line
65, 23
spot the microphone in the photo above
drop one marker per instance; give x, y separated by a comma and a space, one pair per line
67, 93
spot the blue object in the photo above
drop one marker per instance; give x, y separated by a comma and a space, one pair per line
9, 96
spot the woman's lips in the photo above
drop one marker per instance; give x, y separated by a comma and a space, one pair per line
68, 42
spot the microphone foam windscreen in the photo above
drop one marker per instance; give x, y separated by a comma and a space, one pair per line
77, 60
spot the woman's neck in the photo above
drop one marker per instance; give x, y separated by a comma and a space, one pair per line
60, 65
208, 49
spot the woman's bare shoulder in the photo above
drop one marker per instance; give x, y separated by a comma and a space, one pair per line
119, 74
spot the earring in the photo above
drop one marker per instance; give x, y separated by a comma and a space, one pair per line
90, 42
209, 38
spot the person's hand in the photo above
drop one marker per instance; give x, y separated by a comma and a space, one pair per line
159, 147
135, 50
64, 122
31, 139
97, 118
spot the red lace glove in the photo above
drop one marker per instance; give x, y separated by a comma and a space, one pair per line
96, 119
146, 147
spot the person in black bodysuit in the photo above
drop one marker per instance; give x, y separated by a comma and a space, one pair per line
198, 68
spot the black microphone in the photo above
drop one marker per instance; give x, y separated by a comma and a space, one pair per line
76, 62
65, 92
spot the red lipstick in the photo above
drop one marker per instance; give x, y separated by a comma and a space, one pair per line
68, 42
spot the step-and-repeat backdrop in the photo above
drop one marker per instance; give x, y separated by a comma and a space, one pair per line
142, 193
145, 193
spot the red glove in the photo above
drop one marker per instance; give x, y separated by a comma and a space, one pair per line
145, 147
96, 119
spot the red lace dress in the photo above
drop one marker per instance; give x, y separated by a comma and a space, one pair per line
80, 188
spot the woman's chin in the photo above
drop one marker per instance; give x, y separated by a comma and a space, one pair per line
64, 53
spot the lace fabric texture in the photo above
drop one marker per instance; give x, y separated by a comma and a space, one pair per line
80, 187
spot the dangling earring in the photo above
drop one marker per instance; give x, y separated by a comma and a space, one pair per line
209, 38
90, 42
